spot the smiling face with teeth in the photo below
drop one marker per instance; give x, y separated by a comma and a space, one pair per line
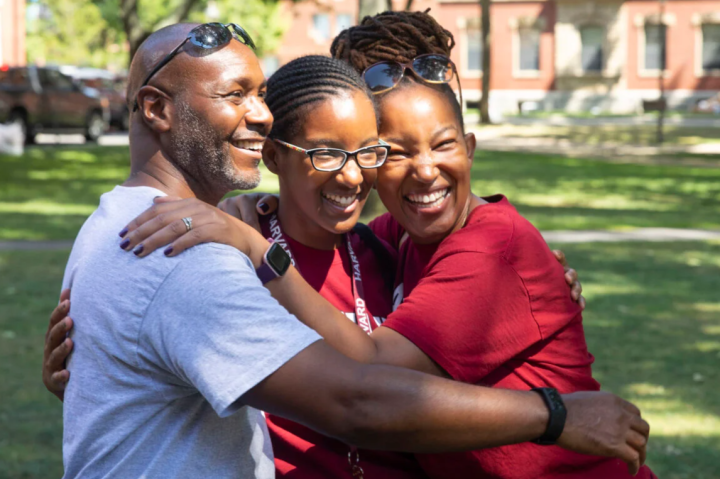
219, 120
318, 206
425, 182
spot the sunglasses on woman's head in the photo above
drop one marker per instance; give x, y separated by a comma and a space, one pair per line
334, 159
206, 36
430, 68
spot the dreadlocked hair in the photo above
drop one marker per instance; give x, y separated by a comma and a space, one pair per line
396, 37
391, 36
306, 81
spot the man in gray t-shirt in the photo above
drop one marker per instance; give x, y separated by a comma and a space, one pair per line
172, 354
164, 349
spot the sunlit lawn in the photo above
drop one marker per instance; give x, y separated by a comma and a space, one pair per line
48, 193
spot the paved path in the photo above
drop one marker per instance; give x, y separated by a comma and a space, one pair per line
35, 245
600, 236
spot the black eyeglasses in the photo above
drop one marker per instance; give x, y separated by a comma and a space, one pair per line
334, 159
430, 68
206, 36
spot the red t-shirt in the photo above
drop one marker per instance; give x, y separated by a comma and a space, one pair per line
506, 320
299, 451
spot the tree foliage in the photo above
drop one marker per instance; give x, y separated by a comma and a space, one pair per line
106, 33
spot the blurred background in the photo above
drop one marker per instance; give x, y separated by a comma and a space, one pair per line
600, 120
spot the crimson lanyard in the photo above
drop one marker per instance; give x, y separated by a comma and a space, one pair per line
362, 315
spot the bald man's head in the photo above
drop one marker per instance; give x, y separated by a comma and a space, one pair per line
156, 47
204, 109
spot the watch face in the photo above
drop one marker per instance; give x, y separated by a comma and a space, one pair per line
278, 259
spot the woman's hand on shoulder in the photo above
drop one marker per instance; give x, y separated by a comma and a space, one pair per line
250, 206
178, 224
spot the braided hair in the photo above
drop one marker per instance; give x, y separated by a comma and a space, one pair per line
396, 37
391, 36
304, 82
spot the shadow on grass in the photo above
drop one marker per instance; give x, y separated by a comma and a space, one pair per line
653, 323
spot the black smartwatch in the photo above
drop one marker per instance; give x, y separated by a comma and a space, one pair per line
556, 417
275, 263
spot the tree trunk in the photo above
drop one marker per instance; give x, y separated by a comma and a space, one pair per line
408, 5
485, 33
134, 31
131, 24
660, 134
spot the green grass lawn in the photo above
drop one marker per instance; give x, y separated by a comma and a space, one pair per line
653, 319
48, 192
653, 323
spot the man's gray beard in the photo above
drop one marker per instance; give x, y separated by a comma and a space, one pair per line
205, 156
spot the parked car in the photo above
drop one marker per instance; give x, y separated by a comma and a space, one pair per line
708, 105
45, 100
110, 85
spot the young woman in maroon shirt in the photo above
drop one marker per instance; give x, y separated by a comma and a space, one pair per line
459, 326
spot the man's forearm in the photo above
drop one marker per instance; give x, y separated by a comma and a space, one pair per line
437, 415
383, 407
306, 304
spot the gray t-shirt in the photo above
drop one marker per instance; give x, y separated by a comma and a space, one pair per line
164, 347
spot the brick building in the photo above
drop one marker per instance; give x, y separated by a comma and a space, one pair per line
12, 32
564, 54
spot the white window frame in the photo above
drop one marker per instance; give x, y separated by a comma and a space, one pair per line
337, 26
466, 25
654, 19
316, 34
603, 50
521, 23
698, 20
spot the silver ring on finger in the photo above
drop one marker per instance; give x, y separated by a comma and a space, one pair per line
188, 223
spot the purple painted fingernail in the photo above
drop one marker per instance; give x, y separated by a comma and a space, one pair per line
168, 251
139, 249
123, 232
264, 207
125, 244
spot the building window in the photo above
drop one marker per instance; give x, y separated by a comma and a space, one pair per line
592, 48
473, 58
655, 51
711, 47
321, 25
342, 22
529, 58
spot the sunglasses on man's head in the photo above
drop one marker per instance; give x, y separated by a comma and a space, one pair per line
206, 36
430, 68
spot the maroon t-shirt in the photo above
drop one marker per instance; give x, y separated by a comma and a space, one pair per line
299, 451
506, 319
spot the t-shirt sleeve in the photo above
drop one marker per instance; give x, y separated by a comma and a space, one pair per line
471, 313
214, 326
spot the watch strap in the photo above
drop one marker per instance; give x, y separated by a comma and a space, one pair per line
265, 273
556, 416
